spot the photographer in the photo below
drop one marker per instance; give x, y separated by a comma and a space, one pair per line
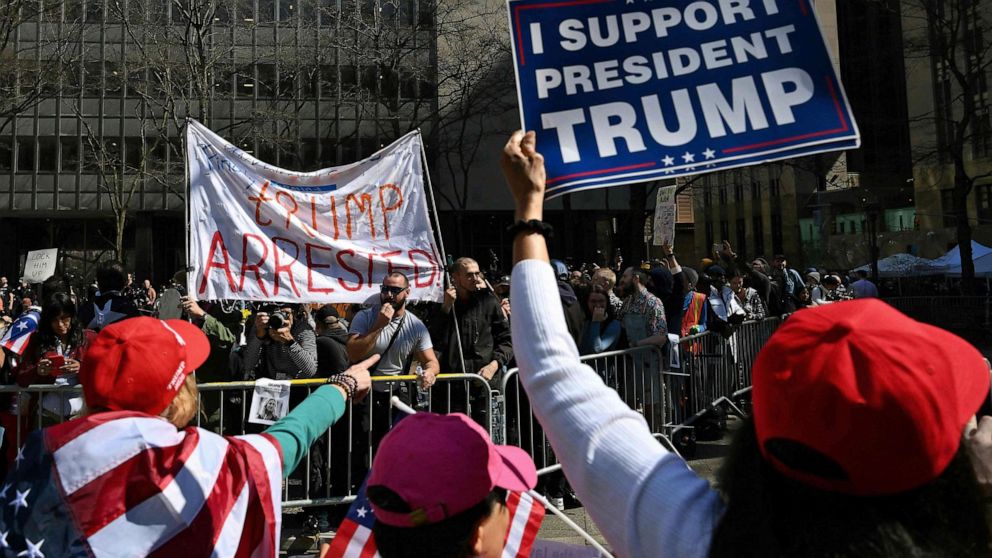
283, 347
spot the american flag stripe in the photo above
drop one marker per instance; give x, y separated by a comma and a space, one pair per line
229, 537
265, 458
526, 517
17, 336
114, 498
353, 541
190, 492
150, 524
109, 444
198, 539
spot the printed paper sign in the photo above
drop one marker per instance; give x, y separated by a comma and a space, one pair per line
40, 265
552, 549
269, 402
625, 91
258, 232
664, 216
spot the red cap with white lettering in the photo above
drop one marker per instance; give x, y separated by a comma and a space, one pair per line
139, 364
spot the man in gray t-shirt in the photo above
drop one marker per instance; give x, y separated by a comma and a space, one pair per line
389, 330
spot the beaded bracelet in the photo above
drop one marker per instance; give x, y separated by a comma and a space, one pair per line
346, 382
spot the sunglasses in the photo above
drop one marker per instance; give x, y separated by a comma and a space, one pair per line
392, 290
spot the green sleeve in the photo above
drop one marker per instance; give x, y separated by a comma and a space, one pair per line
213, 327
298, 430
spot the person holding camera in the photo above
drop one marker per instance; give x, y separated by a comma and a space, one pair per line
283, 346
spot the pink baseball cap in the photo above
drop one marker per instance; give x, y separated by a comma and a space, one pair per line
442, 465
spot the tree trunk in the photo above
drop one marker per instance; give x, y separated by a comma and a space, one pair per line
962, 187
120, 221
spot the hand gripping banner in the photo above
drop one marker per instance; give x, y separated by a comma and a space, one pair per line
258, 232
625, 91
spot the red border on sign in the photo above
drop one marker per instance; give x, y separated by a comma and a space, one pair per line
603, 171
840, 115
516, 17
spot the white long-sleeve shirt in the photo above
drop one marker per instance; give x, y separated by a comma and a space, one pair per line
644, 499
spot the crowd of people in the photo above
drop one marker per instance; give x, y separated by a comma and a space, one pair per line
863, 439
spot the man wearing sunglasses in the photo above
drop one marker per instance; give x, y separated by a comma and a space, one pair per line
387, 329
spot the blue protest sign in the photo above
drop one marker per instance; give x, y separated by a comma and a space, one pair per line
624, 91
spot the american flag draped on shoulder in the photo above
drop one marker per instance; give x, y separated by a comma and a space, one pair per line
127, 484
354, 538
16, 338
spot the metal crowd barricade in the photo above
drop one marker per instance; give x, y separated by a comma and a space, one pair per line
949, 312
335, 466
637, 375
346, 450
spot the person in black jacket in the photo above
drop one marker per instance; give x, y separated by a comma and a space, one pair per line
332, 339
108, 305
485, 332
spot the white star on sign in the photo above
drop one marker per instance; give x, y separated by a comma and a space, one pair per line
22, 326
709, 153
361, 511
668, 160
21, 501
34, 550
689, 157
3, 493
668, 171
20, 457
3, 539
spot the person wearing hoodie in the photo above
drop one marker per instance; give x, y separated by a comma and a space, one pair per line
332, 341
575, 317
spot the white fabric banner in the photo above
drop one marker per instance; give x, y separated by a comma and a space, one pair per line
258, 232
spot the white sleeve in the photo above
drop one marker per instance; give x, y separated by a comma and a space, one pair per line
644, 499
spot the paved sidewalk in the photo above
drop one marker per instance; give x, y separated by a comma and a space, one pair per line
707, 461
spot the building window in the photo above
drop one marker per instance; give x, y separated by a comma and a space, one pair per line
777, 246
740, 242
738, 192
724, 231
981, 140
48, 154
983, 200
947, 207
722, 194
774, 188
755, 191
6, 153
709, 234
707, 200
758, 230
25, 154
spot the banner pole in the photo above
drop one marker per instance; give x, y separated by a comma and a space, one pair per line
444, 255
187, 187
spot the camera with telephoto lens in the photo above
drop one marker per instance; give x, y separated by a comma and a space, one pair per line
278, 319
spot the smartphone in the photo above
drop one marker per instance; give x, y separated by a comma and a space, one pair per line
57, 360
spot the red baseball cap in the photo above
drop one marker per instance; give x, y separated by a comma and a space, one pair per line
139, 364
442, 465
855, 397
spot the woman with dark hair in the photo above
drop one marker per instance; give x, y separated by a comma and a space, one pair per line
855, 446
602, 330
54, 354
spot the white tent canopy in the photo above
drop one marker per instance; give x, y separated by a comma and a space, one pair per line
903, 265
950, 262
